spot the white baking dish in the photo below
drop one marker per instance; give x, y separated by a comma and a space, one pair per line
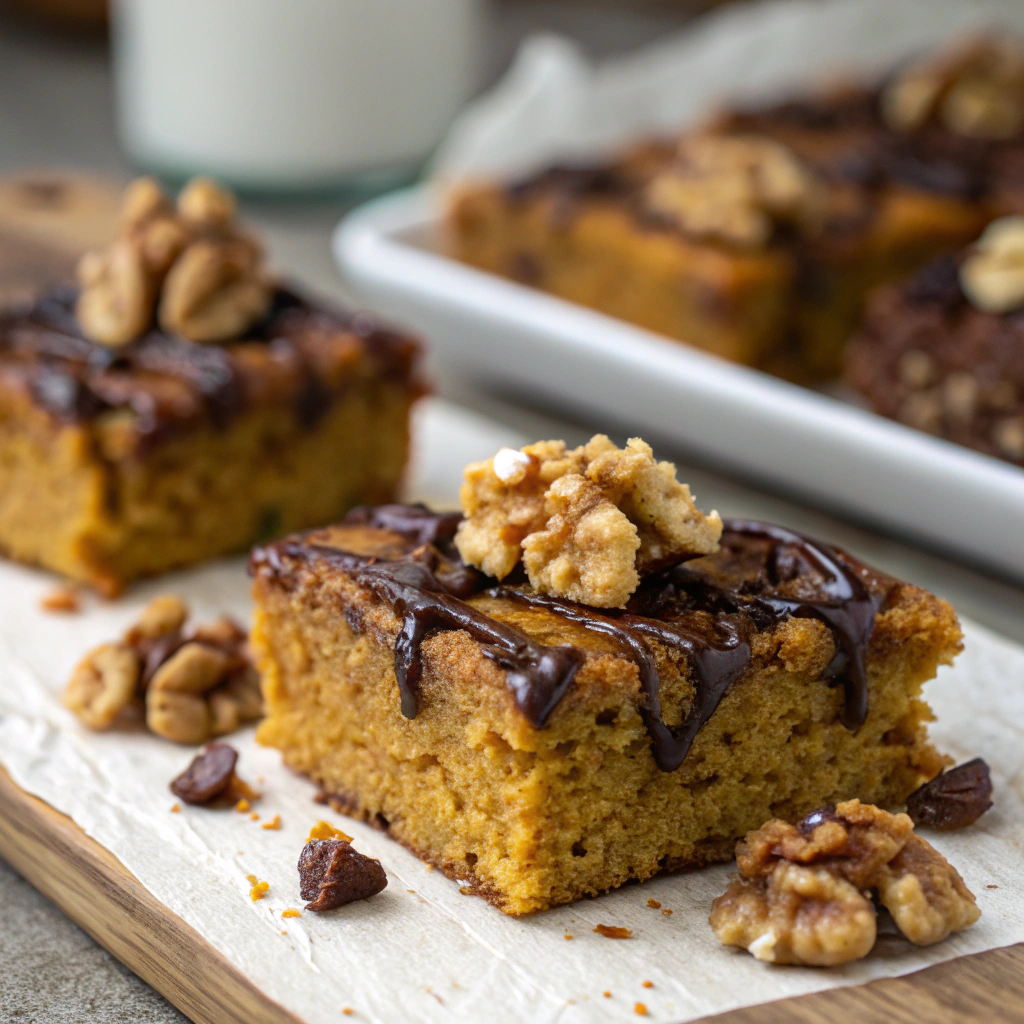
506, 335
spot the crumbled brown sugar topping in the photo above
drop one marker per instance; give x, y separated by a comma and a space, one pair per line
584, 522
802, 895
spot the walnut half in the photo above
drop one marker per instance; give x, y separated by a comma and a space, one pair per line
802, 895
585, 522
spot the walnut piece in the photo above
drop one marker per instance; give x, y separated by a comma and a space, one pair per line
189, 267
586, 522
802, 892
194, 686
992, 276
737, 189
103, 684
974, 89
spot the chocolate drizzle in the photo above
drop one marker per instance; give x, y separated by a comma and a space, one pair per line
707, 610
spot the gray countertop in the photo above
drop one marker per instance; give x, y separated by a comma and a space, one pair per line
55, 110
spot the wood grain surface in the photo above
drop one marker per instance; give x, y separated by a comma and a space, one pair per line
99, 894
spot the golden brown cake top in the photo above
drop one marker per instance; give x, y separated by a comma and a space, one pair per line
709, 608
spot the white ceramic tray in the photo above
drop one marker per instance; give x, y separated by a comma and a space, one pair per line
505, 335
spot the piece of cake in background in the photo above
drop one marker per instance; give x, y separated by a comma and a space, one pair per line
539, 749
944, 352
761, 246
182, 403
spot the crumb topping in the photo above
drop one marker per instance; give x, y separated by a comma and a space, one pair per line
737, 189
585, 522
974, 89
802, 895
190, 268
191, 686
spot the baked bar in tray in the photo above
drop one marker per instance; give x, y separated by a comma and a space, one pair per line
540, 750
758, 235
944, 351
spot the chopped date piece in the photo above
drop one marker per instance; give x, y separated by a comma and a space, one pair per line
208, 776
332, 874
955, 799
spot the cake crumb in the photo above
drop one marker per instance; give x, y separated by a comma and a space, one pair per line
258, 891
411, 890
251, 879
640, 1009
569, 937
613, 931
254, 816
63, 600
242, 806
991, 886
274, 824
648, 984
607, 995
325, 830
667, 912
653, 904
347, 1010
175, 808
291, 912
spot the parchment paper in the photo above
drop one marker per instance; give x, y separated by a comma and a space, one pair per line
421, 951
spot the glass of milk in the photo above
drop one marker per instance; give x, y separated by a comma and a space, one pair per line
291, 95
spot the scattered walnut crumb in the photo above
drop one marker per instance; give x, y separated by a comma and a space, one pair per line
273, 824
325, 830
613, 931
175, 808
585, 522
648, 984
667, 913
653, 904
802, 895
640, 1009
242, 806
64, 600
291, 912
992, 275
258, 891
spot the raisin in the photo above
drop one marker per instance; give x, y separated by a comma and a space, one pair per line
955, 799
208, 776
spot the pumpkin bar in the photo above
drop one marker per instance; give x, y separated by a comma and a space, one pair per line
758, 235
180, 404
944, 351
538, 749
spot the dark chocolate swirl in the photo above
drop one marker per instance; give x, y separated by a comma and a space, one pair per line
707, 615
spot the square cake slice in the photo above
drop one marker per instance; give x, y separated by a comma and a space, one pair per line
182, 403
540, 750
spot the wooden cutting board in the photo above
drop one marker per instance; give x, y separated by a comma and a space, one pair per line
46, 220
